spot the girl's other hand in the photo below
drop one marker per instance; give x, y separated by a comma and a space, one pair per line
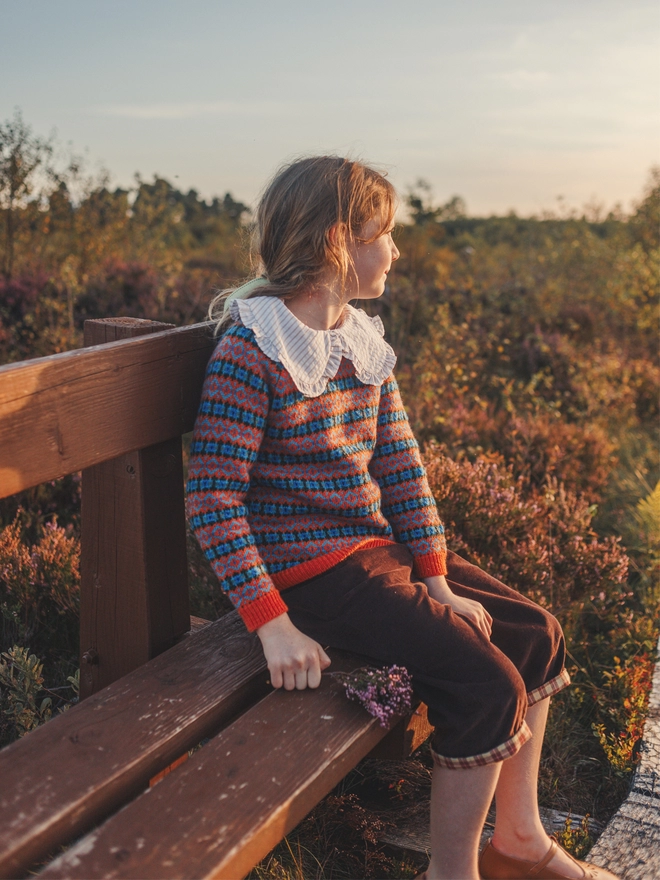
471, 610
294, 660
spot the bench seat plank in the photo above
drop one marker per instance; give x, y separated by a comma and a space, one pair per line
66, 776
233, 800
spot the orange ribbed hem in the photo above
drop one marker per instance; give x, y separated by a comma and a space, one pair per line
263, 609
431, 565
312, 567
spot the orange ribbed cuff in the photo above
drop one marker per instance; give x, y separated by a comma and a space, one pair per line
263, 609
431, 565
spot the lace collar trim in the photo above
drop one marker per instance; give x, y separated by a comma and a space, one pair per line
312, 357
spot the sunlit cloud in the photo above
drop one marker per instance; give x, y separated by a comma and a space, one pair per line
189, 109
506, 103
524, 79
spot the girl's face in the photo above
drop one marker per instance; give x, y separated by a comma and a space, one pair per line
372, 262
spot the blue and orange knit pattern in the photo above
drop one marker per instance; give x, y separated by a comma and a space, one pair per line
282, 487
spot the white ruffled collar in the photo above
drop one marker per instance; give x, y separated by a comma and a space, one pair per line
312, 357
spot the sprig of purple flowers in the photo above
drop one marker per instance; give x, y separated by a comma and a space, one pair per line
383, 692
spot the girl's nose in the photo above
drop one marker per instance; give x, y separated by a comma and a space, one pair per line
395, 252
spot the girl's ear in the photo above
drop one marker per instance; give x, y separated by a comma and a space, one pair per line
338, 237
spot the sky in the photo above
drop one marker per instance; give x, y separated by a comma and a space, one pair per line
511, 104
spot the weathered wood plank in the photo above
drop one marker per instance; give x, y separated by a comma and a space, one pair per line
230, 803
66, 412
64, 777
134, 570
98, 331
414, 835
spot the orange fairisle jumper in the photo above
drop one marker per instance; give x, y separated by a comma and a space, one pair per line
282, 486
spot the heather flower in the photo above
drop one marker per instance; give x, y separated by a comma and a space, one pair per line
384, 692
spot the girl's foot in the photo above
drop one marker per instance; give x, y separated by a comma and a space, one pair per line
557, 864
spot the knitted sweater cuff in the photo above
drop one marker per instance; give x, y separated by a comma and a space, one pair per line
431, 565
263, 609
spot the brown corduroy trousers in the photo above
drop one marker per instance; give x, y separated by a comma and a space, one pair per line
477, 690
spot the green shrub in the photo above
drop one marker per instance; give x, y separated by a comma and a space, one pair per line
25, 702
21, 676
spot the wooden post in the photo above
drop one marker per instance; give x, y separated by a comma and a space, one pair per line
405, 737
134, 574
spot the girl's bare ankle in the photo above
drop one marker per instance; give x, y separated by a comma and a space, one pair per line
521, 842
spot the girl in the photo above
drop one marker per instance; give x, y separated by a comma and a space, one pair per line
307, 493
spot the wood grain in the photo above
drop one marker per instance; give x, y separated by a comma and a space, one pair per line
66, 412
64, 777
134, 571
232, 801
414, 833
97, 331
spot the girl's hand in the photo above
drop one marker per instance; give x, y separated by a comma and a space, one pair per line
294, 660
471, 610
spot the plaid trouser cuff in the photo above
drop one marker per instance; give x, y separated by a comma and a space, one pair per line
509, 748
550, 688
500, 753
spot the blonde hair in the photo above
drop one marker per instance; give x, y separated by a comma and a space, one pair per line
292, 245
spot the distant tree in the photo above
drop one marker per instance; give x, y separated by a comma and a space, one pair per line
233, 209
423, 210
22, 153
645, 222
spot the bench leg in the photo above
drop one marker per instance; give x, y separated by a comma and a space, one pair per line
134, 577
405, 737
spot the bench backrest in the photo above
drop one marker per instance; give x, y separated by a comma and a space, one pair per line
66, 412
115, 410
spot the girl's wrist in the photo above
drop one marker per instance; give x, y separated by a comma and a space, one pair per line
438, 588
279, 625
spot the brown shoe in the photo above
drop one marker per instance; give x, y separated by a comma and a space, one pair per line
494, 865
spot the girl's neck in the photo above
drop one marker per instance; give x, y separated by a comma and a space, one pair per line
320, 309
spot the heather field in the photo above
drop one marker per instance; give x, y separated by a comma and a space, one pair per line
528, 360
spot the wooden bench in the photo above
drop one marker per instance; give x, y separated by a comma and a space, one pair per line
152, 687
